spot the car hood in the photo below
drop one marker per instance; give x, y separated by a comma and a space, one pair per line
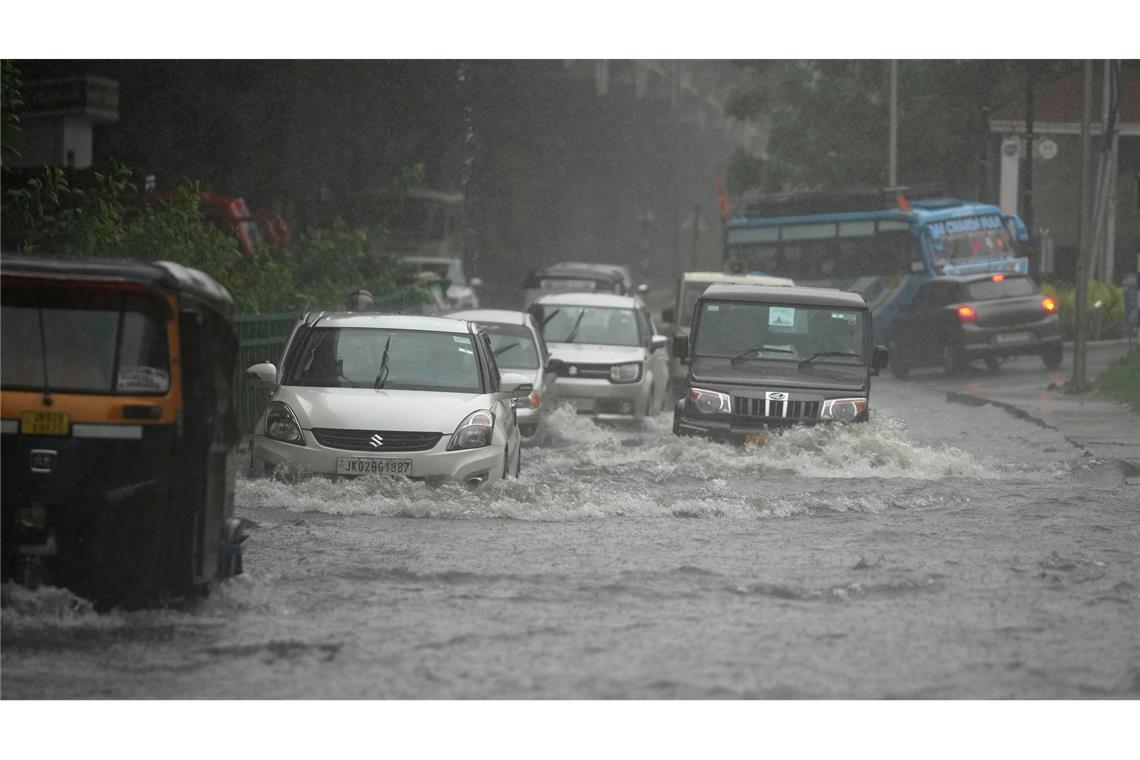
781, 374
368, 409
592, 353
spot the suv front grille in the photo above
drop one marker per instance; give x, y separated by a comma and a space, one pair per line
788, 410
593, 371
361, 440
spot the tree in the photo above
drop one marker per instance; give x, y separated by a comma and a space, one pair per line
828, 120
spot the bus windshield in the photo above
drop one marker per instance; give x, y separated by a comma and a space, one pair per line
973, 238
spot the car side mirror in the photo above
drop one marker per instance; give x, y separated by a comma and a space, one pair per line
681, 348
667, 315
880, 359
657, 341
642, 289
476, 282
519, 386
555, 365
262, 374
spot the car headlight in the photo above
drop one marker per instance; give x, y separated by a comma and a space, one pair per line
625, 373
281, 424
710, 402
474, 432
842, 409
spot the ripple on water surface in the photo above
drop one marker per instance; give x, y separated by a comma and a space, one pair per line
578, 470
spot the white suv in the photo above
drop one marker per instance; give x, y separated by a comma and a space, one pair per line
610, 361
386, 394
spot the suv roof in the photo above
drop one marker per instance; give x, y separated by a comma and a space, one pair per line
738, 279
393, 322
785, 295
611, 300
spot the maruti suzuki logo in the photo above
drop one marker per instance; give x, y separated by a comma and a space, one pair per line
376, 441
776, 396
573, 370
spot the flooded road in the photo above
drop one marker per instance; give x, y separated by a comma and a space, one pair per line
939, 551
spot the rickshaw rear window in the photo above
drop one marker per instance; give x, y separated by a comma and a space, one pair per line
83, 342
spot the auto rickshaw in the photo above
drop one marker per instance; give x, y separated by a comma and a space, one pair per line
119, 429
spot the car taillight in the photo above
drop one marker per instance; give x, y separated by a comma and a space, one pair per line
998, 278
966, 314
1048, 305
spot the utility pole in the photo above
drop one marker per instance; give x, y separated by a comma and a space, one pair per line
892, 161
1079, 384
1030, 108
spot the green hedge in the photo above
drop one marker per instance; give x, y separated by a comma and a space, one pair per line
47, 214
1104, 323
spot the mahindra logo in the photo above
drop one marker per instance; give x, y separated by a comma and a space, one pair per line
776, 396
376, 441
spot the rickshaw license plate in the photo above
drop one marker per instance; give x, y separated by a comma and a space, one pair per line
45, 423
755, 438
372, 466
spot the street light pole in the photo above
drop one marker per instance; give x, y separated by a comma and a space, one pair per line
892, 161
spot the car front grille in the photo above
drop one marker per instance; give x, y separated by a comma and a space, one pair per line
362, 440
585, 370
784, 410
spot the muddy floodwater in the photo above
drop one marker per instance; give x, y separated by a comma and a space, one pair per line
939, 551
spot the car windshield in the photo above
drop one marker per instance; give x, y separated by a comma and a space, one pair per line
780, 333
83, 342
513, 345
367, 357
590, 324
1000, 287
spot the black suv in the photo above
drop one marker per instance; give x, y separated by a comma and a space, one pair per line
765, 356
953, 320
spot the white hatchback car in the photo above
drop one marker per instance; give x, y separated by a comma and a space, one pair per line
611, 362
397, 395
519, 348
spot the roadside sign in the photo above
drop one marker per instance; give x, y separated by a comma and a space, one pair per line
1046, 148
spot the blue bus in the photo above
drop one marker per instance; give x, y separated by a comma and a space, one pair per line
881, 244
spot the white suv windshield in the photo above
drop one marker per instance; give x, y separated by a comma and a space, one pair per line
365, 357
590, 324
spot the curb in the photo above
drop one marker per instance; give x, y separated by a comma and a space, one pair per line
968, 399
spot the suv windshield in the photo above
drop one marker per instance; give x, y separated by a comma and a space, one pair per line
83, 341
368, 357
513, 345
780, 333
589, 324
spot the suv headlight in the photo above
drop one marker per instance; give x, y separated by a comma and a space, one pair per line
281, 424
625, 373
710, 402
842, 409
474, 432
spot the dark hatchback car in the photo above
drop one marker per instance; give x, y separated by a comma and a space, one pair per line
955, 320
761, 357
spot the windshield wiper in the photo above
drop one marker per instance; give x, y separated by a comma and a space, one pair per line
504, 349
382, 375
815, 356
549, 317
762, 349
574, 329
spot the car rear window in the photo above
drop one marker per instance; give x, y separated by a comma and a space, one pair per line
993, 289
